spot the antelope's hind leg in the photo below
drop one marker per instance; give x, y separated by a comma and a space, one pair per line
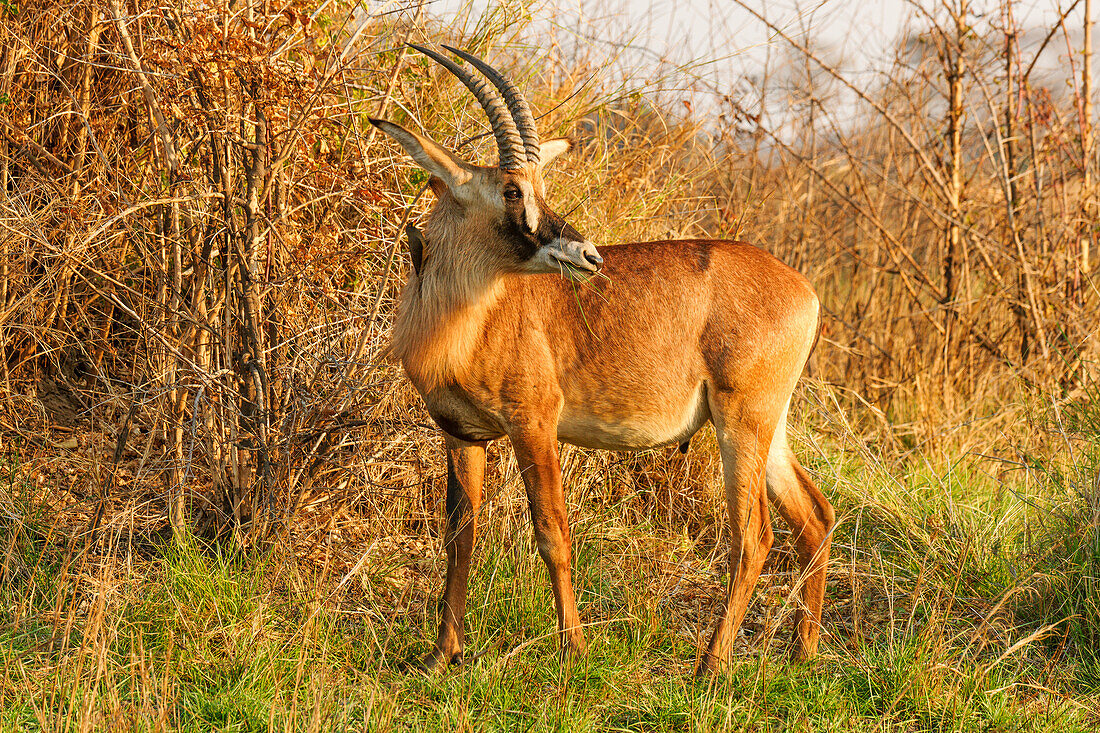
810, 516
465, 478
743, 443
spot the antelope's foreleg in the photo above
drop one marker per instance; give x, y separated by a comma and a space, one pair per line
537, 456
465, 477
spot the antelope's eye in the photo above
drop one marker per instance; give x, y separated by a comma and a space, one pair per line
513, 194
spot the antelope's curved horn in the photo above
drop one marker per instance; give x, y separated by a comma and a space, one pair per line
517, 103
509, 141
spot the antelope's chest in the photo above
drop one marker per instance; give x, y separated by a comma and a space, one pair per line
458, 413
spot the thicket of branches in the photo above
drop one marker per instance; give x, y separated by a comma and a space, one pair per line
192, 238
945, 205
200, 246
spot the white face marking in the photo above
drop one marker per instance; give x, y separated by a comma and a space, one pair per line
530, 206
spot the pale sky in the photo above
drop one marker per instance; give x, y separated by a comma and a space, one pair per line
712, 45
698, 30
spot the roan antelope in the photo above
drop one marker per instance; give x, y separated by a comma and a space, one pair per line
499, 343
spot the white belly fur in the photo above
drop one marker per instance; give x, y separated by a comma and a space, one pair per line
634, 430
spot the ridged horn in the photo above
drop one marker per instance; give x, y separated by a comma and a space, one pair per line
517, 103
509, 141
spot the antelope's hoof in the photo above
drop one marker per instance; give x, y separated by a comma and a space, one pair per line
436, 661
711, 666
801, 652
573, 652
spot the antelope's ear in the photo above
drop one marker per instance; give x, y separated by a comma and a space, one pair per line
416, 246
430, 156
552, 148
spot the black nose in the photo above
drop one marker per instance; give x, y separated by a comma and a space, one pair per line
594, 259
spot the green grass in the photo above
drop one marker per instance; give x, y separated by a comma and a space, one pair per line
958, 601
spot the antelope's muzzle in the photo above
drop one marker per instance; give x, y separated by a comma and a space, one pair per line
577, 255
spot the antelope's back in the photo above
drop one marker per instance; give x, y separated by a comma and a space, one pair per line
637, 347
654, 298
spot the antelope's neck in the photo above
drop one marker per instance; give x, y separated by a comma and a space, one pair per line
441, 321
